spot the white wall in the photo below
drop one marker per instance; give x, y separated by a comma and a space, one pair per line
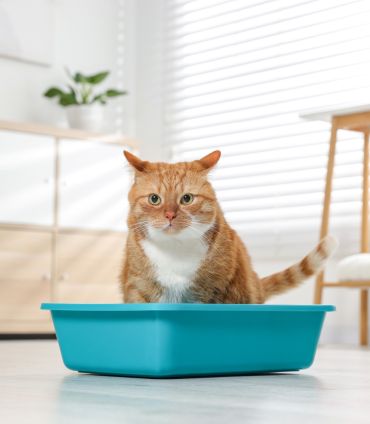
85, 39
148, 58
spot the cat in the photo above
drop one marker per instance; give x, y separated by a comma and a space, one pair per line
180, 248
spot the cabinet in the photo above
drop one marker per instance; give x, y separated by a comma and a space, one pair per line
88, 267
26, 178
93, 186
25, 260
63, 208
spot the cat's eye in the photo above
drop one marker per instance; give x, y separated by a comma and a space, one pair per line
186, 199
154, 199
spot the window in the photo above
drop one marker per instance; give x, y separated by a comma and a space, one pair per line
238, 74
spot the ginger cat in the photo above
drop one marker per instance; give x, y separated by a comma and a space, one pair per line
180, 248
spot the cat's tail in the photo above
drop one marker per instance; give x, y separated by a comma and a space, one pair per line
296, 274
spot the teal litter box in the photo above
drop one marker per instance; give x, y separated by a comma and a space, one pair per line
182, 340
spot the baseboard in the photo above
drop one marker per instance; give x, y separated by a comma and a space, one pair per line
35, 336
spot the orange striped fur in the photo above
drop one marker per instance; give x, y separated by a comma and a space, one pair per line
187, 252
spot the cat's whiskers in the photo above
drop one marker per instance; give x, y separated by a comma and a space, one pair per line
194, 226
204, 239
138, 226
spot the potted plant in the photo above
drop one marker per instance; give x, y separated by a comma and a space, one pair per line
83, 105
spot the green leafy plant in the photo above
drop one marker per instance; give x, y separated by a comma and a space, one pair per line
81, 91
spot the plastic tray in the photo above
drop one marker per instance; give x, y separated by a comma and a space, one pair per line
173, 340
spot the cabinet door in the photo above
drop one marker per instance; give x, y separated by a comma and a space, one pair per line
26, 178
93, 186
88, 267
24, 281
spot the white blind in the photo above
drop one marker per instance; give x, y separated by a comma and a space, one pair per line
238, 74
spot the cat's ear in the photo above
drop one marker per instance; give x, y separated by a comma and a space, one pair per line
210, 160
134, 161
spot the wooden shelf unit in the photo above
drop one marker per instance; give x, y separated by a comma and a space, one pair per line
42, 256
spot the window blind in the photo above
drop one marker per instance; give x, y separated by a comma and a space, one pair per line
238, 74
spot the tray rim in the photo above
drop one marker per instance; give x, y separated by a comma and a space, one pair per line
181, 307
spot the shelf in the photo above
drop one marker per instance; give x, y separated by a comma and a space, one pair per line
68, 133
349, 284
59, 230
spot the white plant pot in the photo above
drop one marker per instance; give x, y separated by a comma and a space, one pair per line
86, 117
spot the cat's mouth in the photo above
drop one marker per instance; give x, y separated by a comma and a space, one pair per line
170, 228
173, 227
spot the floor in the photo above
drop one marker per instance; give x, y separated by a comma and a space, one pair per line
36, 388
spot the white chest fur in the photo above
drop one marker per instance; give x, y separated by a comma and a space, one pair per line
176, 259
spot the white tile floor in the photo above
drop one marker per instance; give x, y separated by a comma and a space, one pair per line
36, 388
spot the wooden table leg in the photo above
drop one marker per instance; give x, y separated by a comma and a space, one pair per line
326, 208
364, 318
365, 241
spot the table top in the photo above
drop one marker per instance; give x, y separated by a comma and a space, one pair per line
327, 114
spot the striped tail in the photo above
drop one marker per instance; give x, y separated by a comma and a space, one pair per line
296, 274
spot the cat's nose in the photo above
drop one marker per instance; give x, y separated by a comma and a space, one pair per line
170, 215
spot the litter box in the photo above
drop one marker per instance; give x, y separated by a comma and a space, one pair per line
182, 340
